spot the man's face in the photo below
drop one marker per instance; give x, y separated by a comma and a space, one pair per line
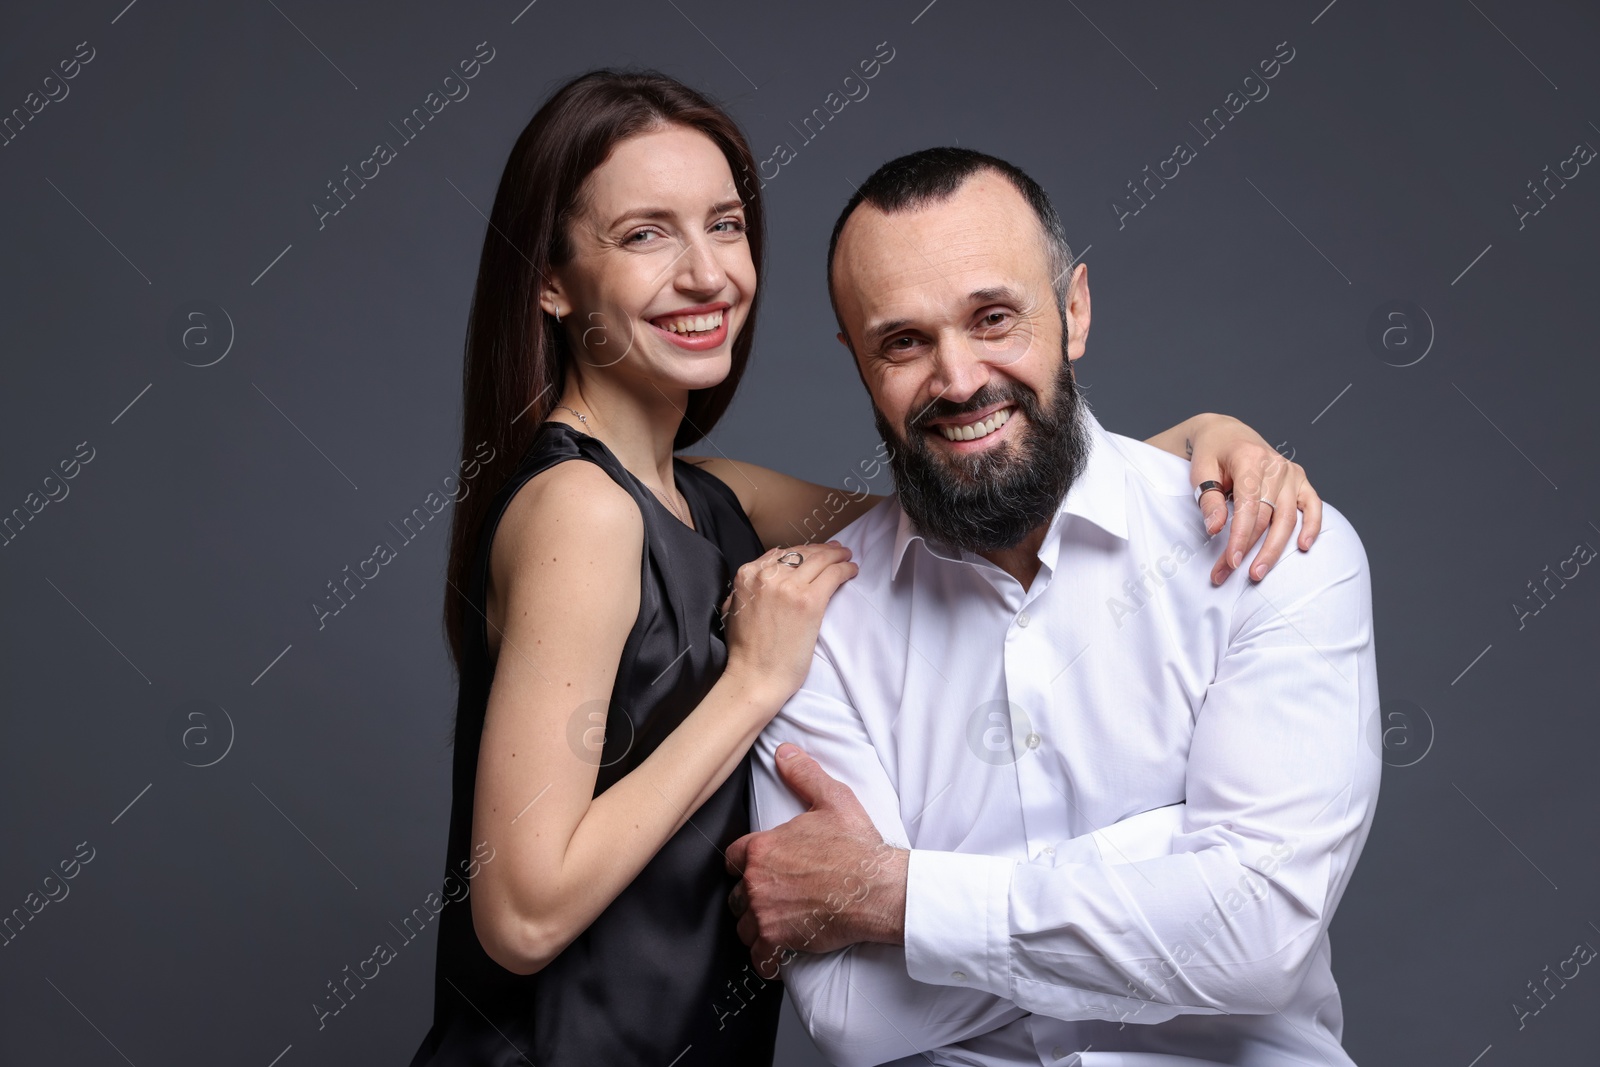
951, 313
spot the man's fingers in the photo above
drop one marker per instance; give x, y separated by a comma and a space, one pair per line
747, 928
736, 855
805, 776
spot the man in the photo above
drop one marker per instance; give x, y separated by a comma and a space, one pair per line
1058, 798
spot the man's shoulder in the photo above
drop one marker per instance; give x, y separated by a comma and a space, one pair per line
1159, 486
871, 538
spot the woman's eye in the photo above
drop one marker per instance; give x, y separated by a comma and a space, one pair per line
729, 226
642, 237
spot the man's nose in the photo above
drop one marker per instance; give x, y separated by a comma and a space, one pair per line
959, 372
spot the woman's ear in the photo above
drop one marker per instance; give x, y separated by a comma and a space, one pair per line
553, 301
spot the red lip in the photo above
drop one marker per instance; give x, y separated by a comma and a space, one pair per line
709, 339
698, 309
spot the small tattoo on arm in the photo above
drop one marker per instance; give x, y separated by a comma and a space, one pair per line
1188, 447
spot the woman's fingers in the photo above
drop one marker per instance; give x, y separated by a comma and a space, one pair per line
1278, 528
1213, 503
1309, 502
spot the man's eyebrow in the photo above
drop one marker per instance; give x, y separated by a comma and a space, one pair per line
883, 329
1001, 294
659, 214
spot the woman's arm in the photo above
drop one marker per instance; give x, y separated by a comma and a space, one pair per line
567, 556
789, 511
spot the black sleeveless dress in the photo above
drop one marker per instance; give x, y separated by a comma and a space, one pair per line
661, 978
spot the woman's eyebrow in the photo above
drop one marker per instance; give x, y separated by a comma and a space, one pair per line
661, 214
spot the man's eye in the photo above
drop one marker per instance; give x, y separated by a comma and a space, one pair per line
994, 318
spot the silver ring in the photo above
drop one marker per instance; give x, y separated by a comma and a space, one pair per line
1269, 504
795, 562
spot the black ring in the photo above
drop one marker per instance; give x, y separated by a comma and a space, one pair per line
1207, 486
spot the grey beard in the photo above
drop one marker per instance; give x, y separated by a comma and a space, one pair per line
993, 500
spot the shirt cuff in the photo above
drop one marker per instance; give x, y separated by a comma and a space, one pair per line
958, 922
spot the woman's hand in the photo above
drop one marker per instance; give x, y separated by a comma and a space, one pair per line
1267, 491
773, 614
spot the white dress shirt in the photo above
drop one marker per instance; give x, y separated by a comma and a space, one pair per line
1133, 799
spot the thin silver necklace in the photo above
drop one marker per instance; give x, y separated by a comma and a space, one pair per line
669, 504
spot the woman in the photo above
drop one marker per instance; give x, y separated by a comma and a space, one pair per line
610, 689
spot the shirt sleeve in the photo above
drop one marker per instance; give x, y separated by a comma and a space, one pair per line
860, 1004
1280, 789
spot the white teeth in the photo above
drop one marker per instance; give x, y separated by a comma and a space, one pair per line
974, 430
692, 323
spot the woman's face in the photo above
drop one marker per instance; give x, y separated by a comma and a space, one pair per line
660, 280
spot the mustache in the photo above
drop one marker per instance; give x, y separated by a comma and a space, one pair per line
940, 408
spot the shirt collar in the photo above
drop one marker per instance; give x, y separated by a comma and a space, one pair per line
1098, 495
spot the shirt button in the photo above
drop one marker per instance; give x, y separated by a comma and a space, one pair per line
1023, 619
1032, 740
1049, 850
1058, 1053
960, 976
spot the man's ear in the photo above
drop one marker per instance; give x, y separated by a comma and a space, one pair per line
1077, 301
842, 339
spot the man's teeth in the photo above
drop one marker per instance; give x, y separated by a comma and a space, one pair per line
691, 323
975, 430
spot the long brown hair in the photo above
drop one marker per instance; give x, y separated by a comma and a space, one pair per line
516, 355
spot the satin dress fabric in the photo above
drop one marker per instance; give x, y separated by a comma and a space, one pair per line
660, 978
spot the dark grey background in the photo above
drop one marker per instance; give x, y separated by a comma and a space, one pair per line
1382, 166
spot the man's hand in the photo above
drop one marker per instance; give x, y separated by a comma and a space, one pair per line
823, 880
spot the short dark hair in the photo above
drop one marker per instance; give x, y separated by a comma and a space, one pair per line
933, 175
